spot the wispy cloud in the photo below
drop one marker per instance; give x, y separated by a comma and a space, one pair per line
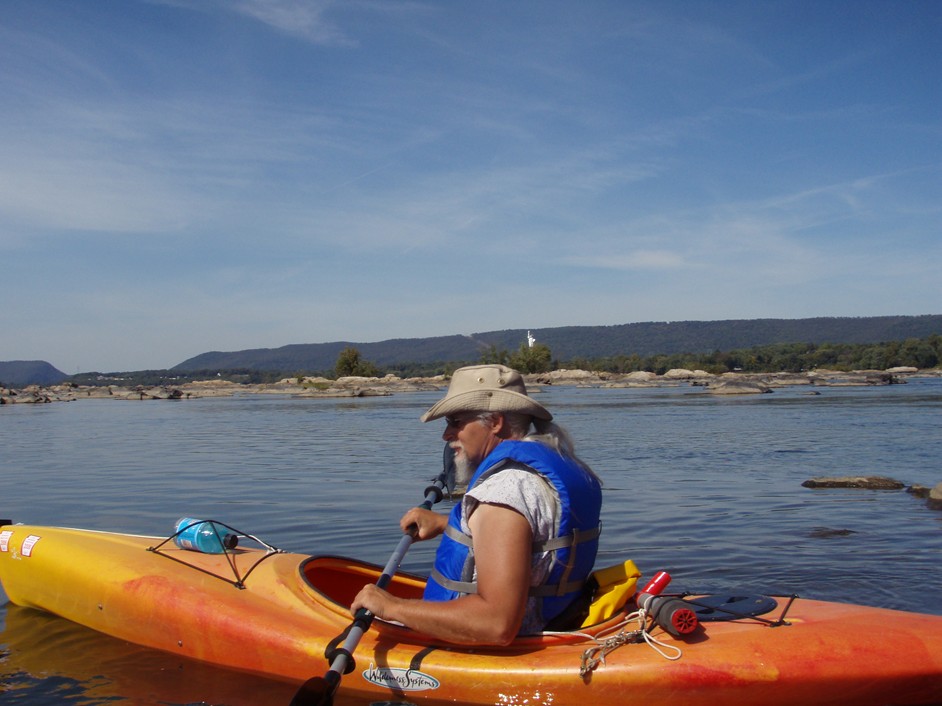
299, 171
636, 260
303, 18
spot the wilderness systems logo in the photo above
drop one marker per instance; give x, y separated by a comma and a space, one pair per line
403, 679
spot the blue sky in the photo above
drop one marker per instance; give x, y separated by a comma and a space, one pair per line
193, 175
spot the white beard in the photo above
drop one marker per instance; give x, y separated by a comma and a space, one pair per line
464, 470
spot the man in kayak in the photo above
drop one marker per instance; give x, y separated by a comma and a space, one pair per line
517, 549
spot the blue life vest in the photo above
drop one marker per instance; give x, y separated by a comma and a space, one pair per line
580, 496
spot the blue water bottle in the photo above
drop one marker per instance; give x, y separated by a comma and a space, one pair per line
206, 537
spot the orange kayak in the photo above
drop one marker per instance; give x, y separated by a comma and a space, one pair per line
276, 613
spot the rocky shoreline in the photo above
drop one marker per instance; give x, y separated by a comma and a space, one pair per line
725, 384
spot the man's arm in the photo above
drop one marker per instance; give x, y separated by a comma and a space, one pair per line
502, 551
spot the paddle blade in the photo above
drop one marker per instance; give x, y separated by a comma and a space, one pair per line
448, 468
317, 691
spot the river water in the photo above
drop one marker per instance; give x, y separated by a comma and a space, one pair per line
705, 487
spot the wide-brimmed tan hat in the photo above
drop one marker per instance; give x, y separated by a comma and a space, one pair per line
486, 388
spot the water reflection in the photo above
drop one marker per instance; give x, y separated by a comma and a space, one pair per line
46, 657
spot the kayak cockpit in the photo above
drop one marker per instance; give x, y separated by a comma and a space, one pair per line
339, 579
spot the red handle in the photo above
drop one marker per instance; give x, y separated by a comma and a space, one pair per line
657, 584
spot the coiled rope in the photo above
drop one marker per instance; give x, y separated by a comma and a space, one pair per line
606, 642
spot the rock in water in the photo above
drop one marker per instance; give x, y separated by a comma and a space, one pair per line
865, 482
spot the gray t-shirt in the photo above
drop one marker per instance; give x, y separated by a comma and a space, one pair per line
521, 489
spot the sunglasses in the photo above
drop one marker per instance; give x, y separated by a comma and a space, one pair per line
459, 422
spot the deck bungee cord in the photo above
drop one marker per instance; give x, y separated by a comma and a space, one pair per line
238, 578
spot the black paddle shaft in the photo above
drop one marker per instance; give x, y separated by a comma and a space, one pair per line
319, 691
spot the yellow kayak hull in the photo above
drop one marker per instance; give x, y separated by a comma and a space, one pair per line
281, 618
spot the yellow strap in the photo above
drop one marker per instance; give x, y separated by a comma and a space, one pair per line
616, 585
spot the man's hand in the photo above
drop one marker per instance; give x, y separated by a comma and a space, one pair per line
430, 524
375, 600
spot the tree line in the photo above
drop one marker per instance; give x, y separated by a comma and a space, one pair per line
785, 357
922, 353
573, 342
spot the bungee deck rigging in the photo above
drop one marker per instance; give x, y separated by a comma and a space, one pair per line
238, 577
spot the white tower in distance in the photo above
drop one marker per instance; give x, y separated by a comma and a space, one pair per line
530, 340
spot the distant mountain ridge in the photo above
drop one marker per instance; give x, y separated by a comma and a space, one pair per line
18, 373
587, 342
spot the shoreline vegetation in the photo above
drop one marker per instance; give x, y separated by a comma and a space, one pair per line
736, 383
